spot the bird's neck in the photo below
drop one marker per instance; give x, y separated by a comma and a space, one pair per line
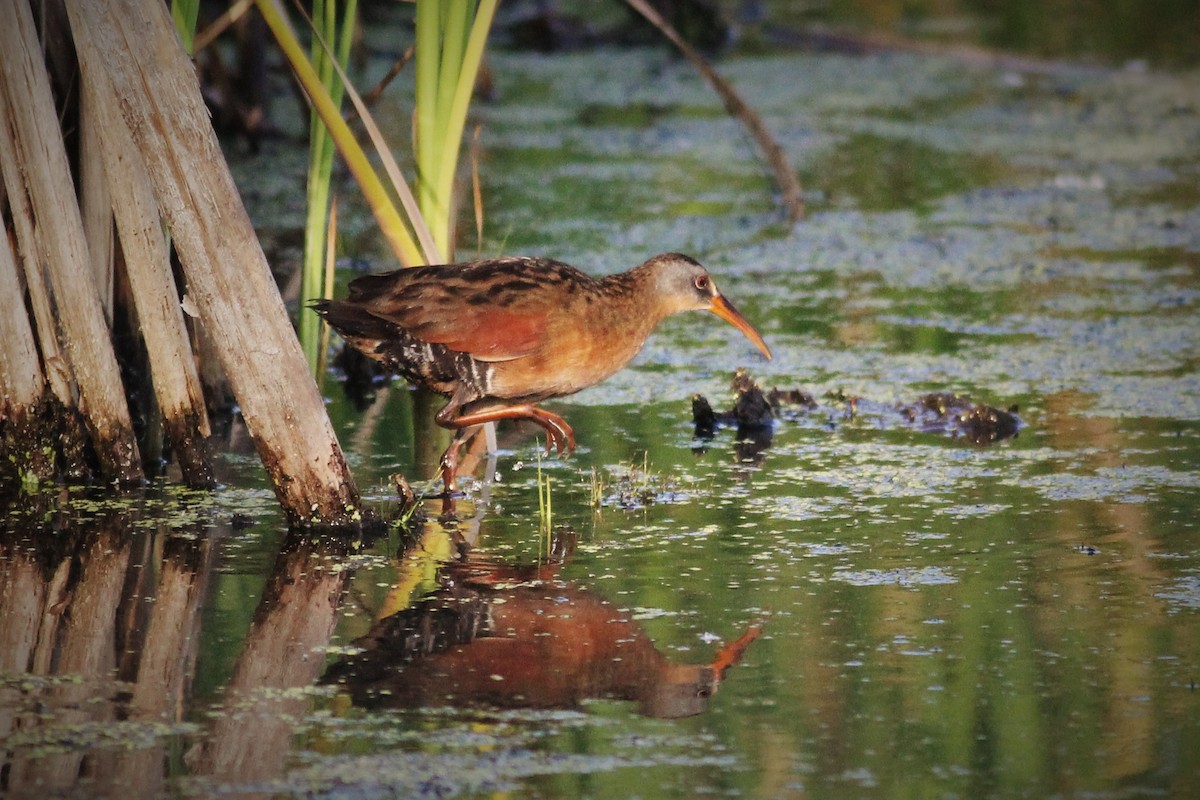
636, 292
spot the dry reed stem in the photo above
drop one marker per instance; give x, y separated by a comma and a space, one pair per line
133, 51
36, 168
175, 377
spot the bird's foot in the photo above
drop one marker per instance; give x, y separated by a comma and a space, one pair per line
559, 435
560, 438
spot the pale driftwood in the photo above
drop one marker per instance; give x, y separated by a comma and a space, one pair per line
26, 443
156, 298
37, 168
785, 175
21, 381
96, 204
57, 370
132, 49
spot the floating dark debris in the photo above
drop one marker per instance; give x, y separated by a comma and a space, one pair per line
240, 521
791, 397
752, 409
951, 414
959, 416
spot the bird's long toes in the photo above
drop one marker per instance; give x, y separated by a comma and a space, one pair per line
564, 440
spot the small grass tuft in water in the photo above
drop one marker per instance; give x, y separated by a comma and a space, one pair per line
545, 506
595, 488
636, 486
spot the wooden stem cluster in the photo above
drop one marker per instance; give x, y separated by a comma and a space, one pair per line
69, 284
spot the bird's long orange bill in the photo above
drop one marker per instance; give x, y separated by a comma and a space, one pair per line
725, 310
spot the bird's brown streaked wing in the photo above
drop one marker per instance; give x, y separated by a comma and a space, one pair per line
443, 308
487, 334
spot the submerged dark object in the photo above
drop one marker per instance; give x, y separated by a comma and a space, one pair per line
753, 413
501, 335
703, 417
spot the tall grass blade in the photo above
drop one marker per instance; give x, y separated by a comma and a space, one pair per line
456, 114
327, 288
380, 202
391, 169
320, 167
428, 66
184, 14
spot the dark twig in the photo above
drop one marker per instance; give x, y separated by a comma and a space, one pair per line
785, 176
369, 97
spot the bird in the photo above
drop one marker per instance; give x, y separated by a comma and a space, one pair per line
500, 335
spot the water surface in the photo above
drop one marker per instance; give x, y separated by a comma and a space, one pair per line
921, 616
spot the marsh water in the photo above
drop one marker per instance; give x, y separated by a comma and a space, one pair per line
847, 605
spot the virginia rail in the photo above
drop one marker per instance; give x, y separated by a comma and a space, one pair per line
500, 335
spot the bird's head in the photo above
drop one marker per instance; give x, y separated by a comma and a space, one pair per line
682, 284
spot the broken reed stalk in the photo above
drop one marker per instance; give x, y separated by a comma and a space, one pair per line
37, 440
372, 95
95, 205
175, 378
785, 175
53, 246
218, 26
26, 454
127, 48
32, 446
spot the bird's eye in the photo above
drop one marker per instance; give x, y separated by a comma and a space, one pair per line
701, 282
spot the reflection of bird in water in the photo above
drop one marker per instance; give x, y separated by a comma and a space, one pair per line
501, 335
505, 637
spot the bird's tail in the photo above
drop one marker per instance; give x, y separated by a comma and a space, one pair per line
352, 321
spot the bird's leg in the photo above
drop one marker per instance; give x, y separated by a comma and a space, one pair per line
559, 434
446, 418
450, 458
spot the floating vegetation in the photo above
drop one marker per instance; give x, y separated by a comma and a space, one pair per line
161, 505
634, 486
922, 576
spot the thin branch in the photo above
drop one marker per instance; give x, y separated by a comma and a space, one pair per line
375, 92
785, 176
220, 25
